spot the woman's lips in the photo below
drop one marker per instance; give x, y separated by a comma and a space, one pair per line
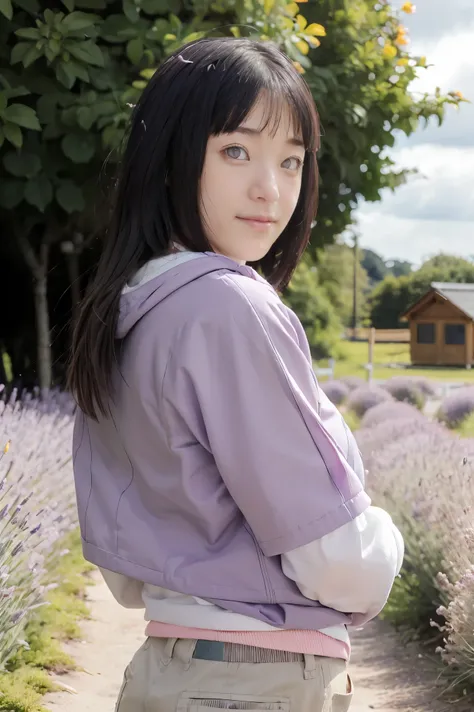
258, 223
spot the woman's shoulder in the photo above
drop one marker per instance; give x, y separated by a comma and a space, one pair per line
235, 293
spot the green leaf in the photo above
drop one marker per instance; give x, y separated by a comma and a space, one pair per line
32, 55
29, 33
155, 7
65, 75
50, 17
175, 22
22, 165
11, 193
69, 4
22, 116
111, 137
135, 50
131, 11
19, 51
158, 31
79, 70
6, 8
16, 92
39, 192
13, 134
79, 148
147, 73
113, 26
3, 101
106, 108
70, 197
87, 52
85, 117
194, 36
79, 21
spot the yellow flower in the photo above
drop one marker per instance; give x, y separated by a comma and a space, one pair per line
458, 94
7, 447
302, 22
299, 68
313, 41
315, 30
389, 51
401, 38
303, 47
409, 8
292, 9
402, 62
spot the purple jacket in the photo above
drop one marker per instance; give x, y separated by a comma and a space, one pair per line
221, 453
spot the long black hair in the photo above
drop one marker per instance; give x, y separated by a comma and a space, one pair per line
206, 88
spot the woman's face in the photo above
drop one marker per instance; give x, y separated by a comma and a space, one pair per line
250, 186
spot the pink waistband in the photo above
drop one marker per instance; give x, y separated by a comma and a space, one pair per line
310, 642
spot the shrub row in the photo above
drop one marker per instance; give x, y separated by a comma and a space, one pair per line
423, 474
37, 507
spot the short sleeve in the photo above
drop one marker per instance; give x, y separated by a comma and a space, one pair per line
242, 383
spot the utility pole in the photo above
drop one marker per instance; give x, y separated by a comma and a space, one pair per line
354, 285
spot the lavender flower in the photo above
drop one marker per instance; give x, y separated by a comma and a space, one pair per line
366, 397
389, 411
423, 474
336, 391
353, 382
458, 406
406, 390
37, 505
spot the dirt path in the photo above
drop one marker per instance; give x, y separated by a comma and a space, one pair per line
387, 676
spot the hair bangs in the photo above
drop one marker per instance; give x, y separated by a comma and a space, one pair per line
283, 94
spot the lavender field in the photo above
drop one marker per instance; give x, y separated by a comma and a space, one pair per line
418, 468
37, 507
422, 471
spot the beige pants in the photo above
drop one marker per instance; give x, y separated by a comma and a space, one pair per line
164, 677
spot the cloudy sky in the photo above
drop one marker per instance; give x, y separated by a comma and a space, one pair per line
434, 212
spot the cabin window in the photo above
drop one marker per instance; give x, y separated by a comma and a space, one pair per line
425, 333
455, 334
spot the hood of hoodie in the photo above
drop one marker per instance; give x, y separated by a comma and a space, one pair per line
160, 277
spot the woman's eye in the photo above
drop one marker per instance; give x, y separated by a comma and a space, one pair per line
237, 153
293, 163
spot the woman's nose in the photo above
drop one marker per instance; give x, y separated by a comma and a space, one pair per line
265, 187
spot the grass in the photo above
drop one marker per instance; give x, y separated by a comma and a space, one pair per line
466, 429
389, 360
352, 420
26, 680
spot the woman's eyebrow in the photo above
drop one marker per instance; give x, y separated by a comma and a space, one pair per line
247, 131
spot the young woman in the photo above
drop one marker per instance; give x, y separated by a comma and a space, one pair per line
217, 486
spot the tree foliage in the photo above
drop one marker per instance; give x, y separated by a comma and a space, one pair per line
392, 297
374, 265
70, 72
335, 269
310, 300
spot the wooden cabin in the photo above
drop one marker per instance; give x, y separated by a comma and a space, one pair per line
442, 326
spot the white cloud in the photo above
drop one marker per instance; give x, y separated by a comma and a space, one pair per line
414, 240
434, 212
443, 189
435, 18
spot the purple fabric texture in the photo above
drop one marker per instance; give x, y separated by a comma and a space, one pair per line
221, 452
